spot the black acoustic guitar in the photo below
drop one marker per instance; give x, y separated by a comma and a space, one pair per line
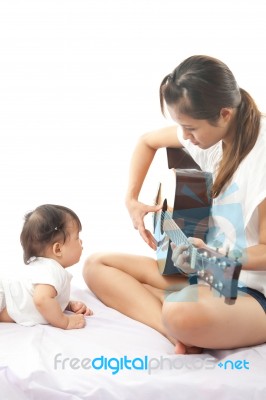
186, 200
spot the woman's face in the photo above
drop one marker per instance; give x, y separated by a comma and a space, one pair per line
200, 132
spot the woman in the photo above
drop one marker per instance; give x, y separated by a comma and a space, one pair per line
222, 129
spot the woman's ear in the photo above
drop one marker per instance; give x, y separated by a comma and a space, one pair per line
57, 249
226, 114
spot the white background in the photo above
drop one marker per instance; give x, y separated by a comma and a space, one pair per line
79, 84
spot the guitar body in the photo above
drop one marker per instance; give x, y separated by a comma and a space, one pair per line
186, 197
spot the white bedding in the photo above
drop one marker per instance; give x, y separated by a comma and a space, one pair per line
28, 370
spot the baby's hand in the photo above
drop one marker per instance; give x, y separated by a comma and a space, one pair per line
79, 308
76, 321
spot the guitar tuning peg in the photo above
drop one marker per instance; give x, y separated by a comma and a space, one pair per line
217, 244
236, 254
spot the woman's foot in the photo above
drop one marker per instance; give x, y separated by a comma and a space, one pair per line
180, 348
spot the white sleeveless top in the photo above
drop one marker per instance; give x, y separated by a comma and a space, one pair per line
234, 215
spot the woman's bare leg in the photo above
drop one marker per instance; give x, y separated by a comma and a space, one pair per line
132, 285
197, 316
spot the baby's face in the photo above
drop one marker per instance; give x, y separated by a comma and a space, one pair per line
72, 248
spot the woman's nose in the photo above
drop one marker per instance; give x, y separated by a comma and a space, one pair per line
187, 134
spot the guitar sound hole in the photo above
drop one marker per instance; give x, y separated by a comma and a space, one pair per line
164, 209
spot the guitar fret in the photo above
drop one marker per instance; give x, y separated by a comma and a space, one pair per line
193, 259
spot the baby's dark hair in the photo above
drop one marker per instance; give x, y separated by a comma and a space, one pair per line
43, 226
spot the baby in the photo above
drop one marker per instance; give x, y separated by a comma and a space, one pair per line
51, 243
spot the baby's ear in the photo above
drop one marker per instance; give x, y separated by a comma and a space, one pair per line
57, 249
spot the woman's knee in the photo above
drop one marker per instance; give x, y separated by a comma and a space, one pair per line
175, 316
92, 266
183, 313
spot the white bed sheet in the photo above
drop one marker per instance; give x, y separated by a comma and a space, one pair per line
27, 362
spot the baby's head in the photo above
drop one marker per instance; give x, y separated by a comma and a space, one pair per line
52, 231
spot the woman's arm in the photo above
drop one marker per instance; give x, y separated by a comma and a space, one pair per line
256, 255
46, 303
141, 160
143, 155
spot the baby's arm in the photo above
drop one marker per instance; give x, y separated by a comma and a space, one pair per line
47, 305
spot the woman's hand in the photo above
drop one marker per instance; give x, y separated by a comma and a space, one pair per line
181, 255
180, 258
137, 212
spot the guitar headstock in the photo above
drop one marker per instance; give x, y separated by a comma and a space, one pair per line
219, 271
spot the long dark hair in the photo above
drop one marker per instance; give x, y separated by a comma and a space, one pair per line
43, 226
200, 87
